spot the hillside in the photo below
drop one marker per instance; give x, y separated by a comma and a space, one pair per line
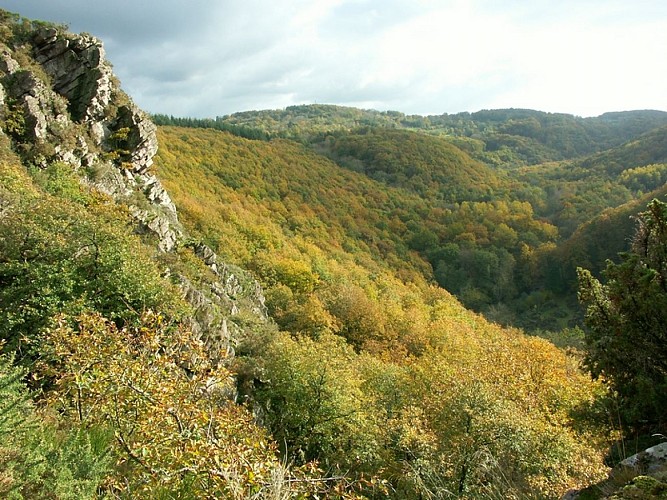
329, 276
227, 317
475, 197
506, 137
478, 250
432, 167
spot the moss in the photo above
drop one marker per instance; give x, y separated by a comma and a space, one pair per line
642, 487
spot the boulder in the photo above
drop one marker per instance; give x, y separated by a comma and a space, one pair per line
649, 461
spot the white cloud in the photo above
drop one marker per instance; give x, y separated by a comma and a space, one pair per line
207, 58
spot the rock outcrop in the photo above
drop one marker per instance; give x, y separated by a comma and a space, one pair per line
74, 111
78, 70
651, 460
63, 104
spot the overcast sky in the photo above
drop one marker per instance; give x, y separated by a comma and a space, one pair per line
207, 58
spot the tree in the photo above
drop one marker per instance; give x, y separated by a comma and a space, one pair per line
626, 340
176, 431
41, 457
315, 408
58, 257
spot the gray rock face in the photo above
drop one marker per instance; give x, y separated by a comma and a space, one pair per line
229, 287
648, 461
159, 226
45, 116
81, 95
157, 195
7, 63
34, 96
79, 71
141, 139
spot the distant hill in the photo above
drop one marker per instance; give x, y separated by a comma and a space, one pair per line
502, 137
433, 167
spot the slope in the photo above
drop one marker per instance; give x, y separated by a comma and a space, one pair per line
111, 318
380, 383
474, 248
576, 191
430, 166
503, 137
406, 365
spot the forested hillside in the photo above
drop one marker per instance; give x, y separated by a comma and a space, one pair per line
278, 304
340, 229
479, 250
498, 191
328, 249
505, 138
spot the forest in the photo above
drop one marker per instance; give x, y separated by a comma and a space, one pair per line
354, 304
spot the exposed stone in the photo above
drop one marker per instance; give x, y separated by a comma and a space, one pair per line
141, 138
229, 288
7, 63
31, 92
648, 461
157, 195
78, 69
46, 35
647, 468
80, 73
98, 131
159, 225
68, 156
209, 321
79, 117
207, 255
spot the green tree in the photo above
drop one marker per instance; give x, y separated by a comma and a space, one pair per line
626, 340
314, 404
38, 459
57, 257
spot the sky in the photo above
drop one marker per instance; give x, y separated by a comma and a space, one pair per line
208, 58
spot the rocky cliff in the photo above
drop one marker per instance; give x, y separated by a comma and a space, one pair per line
61, 103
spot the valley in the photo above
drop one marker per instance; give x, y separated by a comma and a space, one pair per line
320, 301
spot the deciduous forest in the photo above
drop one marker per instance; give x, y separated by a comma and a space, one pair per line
320, 301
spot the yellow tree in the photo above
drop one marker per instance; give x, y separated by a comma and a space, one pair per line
176, 430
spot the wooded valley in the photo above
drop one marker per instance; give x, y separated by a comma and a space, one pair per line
320, 301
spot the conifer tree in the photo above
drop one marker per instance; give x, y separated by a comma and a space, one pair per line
626, 317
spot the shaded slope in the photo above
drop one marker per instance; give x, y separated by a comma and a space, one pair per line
598, 240
574, 192
430, 166
264, 192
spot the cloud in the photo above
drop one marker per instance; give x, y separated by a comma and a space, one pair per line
208, 58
